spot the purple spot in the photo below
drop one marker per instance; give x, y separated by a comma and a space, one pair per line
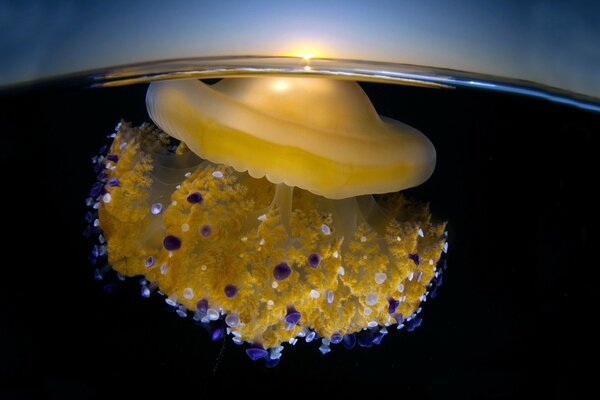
156, 208
195, 198
256, 352
96, 251
112, 157
336, 338
109, 288
101, 176
171, 242
377, 338
414, 257
365, 339
231, 291
170, 308
96, 189
413, 324
349, 340
314, 260
433, 293
281, 271
202, 306
113, 182
419, 276
438, 280
89, 217
272, 362
398, 317
393, 305
293, 316
443, 264
206, 230
145, 291
149, 262
98, 275
217, 333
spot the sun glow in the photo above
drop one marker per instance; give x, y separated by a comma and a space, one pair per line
306, 53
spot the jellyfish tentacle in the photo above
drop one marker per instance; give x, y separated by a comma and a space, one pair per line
283, 201
373, 213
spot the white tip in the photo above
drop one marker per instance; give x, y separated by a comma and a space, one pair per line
371, 299
329, 296
380, 277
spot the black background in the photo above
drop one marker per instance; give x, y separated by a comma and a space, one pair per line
514, 179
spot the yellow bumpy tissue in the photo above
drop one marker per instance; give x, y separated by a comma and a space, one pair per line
265, 262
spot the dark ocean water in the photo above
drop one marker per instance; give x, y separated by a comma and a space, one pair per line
514, 180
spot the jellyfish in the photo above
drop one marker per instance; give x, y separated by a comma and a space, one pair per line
270, 209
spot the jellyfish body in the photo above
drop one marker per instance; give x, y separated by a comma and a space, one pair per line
322, 135
273, 261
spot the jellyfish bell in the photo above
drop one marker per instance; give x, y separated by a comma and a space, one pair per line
252, 207
321, 135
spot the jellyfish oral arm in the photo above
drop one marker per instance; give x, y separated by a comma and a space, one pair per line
270, 262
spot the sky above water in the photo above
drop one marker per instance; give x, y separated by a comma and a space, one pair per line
549, 42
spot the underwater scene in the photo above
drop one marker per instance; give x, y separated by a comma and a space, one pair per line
278, 235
